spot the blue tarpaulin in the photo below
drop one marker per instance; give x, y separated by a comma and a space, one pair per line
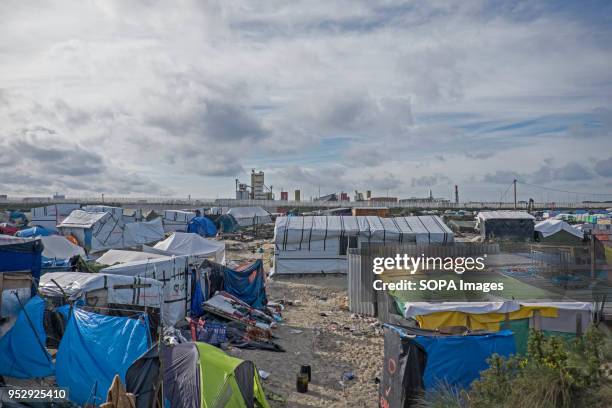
22, 257
35, 232
458, 360
197, 297
202, 226
22, 352
248, 285
94, 349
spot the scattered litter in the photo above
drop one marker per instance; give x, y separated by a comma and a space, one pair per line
263, 374
348, 376
295, 331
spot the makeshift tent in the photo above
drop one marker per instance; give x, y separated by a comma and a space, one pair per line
226, 223
558, 231
202, 226
201, 375
418, 359
316, 244
115, 256
247, 283
116, 211
247, 216
22, 349
132, 215
35, 231
173, 272
516, 225
175, 220
52, 215
192, 245
142, 378
94, 349
20, 266
101, 289
99, 231
57, 247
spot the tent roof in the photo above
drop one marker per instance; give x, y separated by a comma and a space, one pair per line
551, 227
185, 243
504, 215
74, 283
114, 256
58, 247
248, 212
83, 219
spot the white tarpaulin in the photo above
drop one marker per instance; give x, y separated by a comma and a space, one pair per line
504, 215
193, 245
175, 220
58, 247
99, 289
51, 215
144, 232
247, 216
424, 308
173, 273
115, 256
551, 227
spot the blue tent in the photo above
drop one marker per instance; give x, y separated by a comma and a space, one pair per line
227, 223
202, 226
248, 285
22, 352
22, 257
35, 232
94, 349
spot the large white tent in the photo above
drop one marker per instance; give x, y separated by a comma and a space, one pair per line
100, 289
551, 227
247, 216
192, 245
175, 276
315, 244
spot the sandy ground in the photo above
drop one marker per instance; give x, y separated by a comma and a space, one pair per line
318, 330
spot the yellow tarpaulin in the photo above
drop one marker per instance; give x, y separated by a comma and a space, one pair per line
484, 321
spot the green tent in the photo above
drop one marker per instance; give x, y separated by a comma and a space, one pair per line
201, 375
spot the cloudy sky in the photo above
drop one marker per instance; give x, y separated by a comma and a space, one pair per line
173, 98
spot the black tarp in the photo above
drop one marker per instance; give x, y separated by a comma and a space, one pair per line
516, 229
142, 378
181, 375
403, 368
245, 378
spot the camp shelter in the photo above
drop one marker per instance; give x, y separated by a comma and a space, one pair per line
318, 244
174, 274
225, 223
558, 232
59, 248
247, 281
132, 215
176, 220
202, 226
22, 351
20, 267
192, 245
95, 348
515, 225
116, 211
248, 216
143, 378
51, 215
417, 360
115, 256
36, 231
99, 231
102, 290
201, 375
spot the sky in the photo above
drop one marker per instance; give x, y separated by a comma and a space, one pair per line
177, 98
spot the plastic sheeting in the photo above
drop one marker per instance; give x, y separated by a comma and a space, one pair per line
22, 255
52, 215
193, 245
35, 232
458, 360
247, 285
22, 352
202, 226
247, 216
58, 247
115, 256
551, 227
94, 349
412, 309
142, 378
175, 220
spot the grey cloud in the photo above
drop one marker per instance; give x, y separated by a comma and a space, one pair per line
569, 172
501, 177
604, 167
428, 181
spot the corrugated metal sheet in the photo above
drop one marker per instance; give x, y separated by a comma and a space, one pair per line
362, 298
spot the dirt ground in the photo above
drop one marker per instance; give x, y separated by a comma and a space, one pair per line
318, 330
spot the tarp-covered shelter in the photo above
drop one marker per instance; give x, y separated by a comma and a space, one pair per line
36, 231
51, 215
99, 231
202, 226
20, 266
115, 256
192, 245
94, 349
417, 360
143, 378
176, 220
58, 247
102, 290
173, 272
22, 351
515, 225
247, 216
225, 223
316, 244
558, 231
201, 375
116, 211
247, 282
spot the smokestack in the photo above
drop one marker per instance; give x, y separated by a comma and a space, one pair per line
456, 194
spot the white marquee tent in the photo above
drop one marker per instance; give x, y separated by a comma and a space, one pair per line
192, 245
